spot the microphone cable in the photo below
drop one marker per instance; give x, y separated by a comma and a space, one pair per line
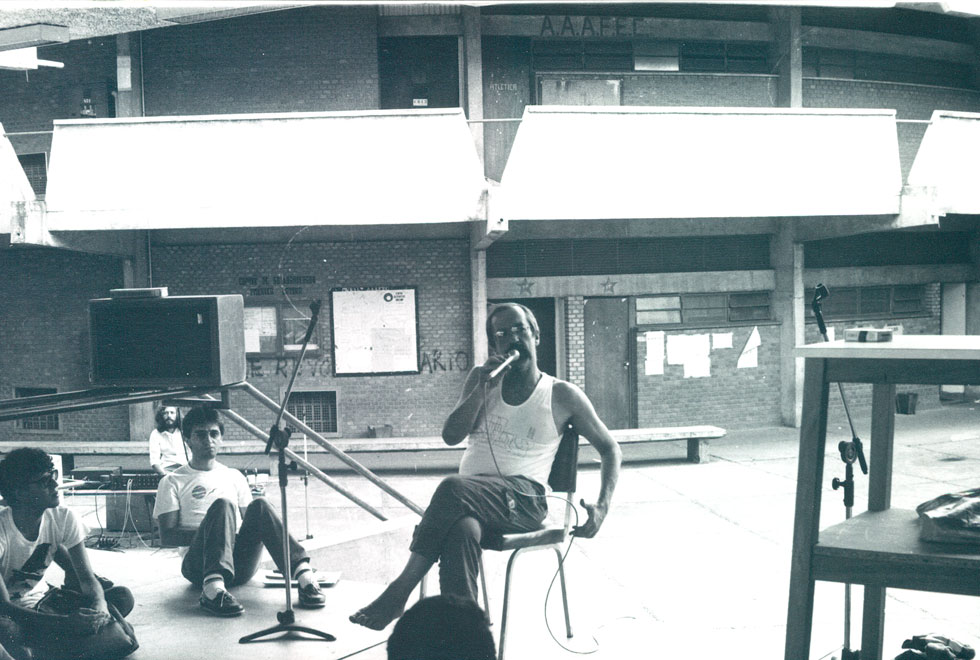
571, 538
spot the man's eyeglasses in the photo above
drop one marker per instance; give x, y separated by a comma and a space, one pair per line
517, 329
50, 475
202, 434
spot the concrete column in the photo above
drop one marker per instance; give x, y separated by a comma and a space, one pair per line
789, 302
973, 327
953, 321
140, 414
478, 298
787, 56
129, 83
471, 54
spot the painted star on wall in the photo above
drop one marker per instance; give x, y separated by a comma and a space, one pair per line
525, 286
609, 286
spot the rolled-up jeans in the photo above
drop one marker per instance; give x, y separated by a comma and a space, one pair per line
466, 510
216, 548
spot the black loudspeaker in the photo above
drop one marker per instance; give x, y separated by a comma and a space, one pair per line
167, 341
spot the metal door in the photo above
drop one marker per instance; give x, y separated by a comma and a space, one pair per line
607, 359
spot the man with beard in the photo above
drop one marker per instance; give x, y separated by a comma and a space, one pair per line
34, 531
514, 423
209, 507
167, 451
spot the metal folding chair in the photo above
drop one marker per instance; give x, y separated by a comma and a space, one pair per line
563, 477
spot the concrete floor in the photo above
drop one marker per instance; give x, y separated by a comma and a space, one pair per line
693, 560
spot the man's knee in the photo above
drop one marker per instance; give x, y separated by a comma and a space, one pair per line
465, 531
221, 505
450, 488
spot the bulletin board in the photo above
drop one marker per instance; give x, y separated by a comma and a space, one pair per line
375, 331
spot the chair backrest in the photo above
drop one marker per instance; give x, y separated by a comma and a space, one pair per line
564, 469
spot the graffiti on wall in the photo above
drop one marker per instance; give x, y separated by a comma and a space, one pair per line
432, 362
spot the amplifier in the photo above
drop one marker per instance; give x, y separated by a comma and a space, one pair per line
167, 341
140, 481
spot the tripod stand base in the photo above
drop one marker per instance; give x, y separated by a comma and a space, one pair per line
287, 628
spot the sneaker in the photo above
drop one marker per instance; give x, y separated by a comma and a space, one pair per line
224, 604
311, 597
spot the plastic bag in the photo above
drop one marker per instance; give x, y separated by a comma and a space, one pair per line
951, 518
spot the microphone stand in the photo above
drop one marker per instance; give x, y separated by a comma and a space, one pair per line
280, 438
850, 451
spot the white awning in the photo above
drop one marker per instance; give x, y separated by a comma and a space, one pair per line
947, 163
15, 189
642, 162
332, 168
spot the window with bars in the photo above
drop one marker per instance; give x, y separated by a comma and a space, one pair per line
37, 422
724, 57
318, 410
857, 65
873, 302
702, 309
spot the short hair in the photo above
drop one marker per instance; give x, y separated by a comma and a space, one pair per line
528, 314
19, 466
444, 627
200, 416
158, 416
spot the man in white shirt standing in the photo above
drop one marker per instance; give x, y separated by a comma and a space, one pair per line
209, 507
166, 442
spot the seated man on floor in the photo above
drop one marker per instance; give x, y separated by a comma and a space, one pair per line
514, 423
34, 530
209, 507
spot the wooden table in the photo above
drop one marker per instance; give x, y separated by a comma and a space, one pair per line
879, 548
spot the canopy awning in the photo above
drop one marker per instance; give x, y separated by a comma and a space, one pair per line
642, 162
332, 168
15, 189
947, 163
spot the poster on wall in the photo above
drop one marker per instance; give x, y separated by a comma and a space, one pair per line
375, 331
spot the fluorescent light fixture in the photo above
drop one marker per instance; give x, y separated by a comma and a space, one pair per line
38, 34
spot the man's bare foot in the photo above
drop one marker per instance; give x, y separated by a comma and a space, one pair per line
383, 610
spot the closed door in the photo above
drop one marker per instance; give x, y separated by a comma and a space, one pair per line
607, 359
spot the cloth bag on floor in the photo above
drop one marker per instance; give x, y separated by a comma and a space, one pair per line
951, 518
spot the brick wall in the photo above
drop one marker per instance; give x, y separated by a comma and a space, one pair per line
910, 102
310, 59
415, 405
31, 101
44, 340
859, 396
575, 340
731, 397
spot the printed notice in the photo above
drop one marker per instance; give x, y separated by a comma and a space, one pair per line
375, 331
749, 359
654, 364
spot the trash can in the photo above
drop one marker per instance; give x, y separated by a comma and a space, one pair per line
905, 402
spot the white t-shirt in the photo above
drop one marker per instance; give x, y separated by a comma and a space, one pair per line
523, 439
23, 562
192, 492
167, 448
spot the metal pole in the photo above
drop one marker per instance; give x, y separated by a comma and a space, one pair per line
262, 435
339, 453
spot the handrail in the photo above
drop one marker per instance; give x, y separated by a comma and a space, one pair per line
336, 451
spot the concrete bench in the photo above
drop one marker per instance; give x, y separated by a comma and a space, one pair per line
697, 438
401, 453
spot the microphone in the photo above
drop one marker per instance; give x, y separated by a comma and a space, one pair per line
512, 356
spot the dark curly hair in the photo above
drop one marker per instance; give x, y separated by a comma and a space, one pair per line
444, 627
199, 416
158, 416
20, 465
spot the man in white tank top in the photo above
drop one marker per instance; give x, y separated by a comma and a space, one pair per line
513, 422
